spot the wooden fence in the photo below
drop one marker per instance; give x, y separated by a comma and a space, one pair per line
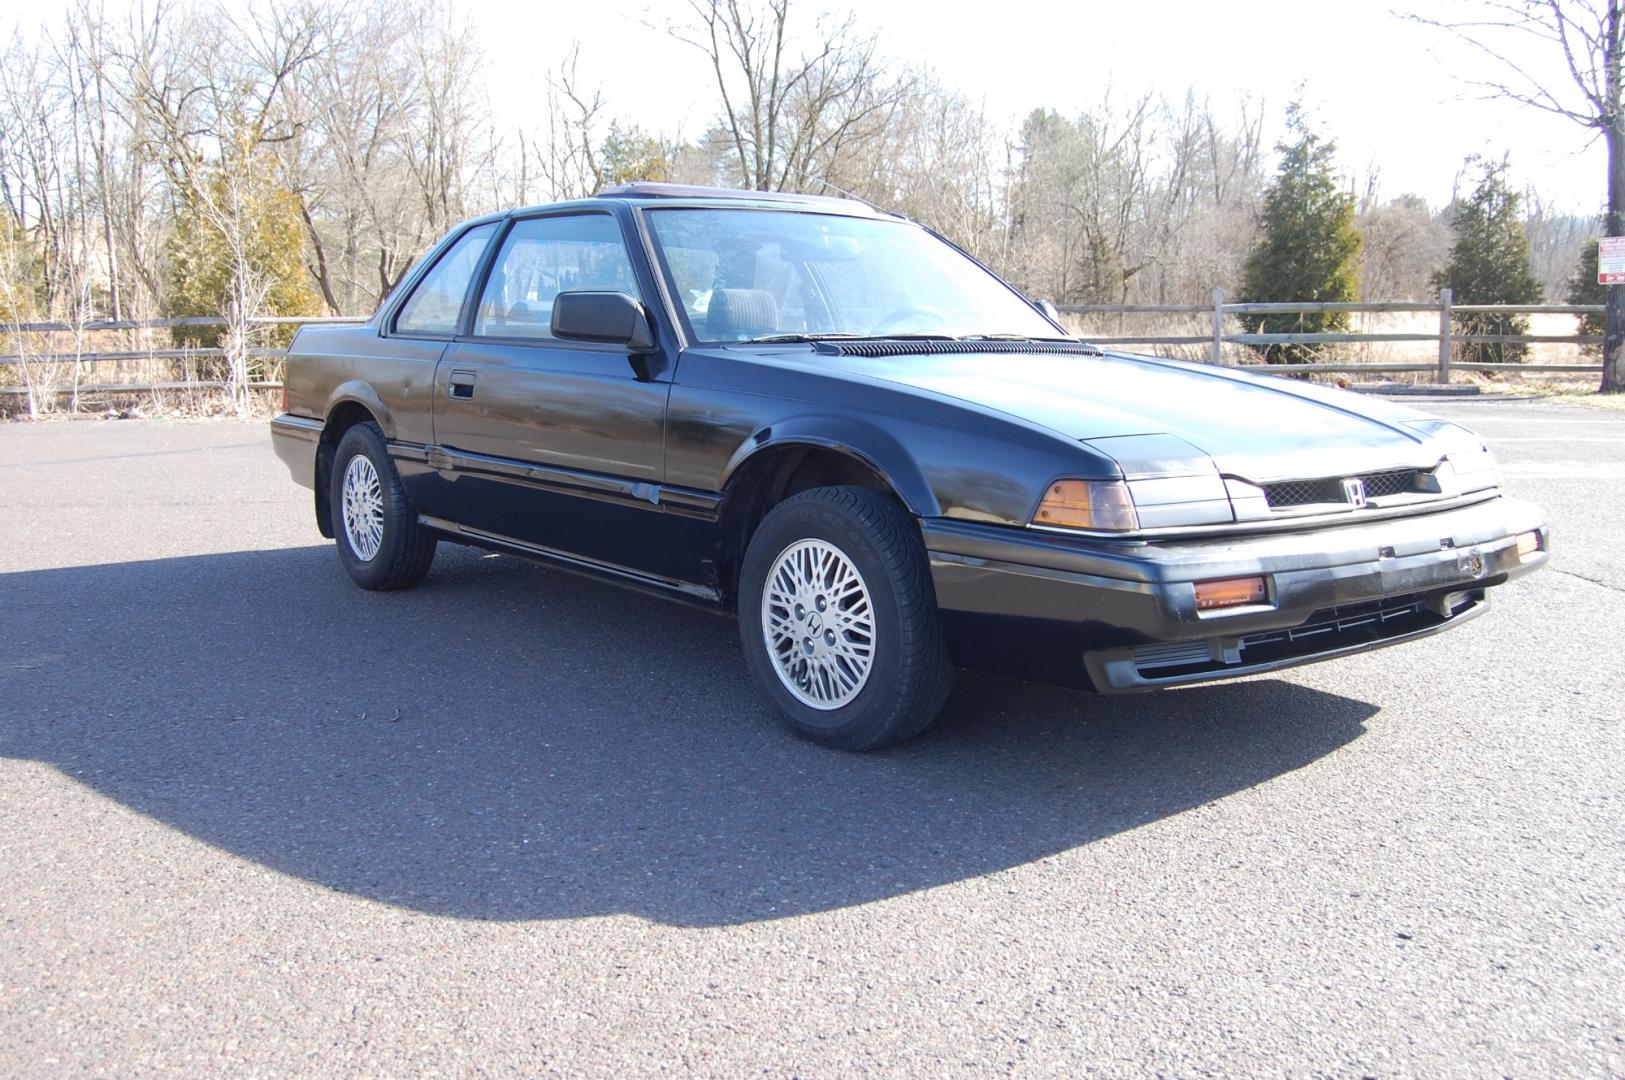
1445, 337
187, 358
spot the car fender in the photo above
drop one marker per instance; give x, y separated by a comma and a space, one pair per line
856, 437
361, 393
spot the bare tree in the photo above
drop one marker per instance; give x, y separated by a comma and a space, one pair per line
793, 116
1589, 37
348, 160
566, 155
937, 160
1555, 240
1406, 243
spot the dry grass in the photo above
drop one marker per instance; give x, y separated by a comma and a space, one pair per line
1570, 390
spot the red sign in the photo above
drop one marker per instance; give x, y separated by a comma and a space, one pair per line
1611, 260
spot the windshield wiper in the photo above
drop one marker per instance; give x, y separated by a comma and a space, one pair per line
1013, 337
796, 338
1038, 340
769, 339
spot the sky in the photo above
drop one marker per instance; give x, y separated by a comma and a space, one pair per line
1383, 87
1386, 89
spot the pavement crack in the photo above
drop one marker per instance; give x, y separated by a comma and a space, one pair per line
1591, 580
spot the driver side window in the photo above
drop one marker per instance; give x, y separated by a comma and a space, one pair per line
542, 257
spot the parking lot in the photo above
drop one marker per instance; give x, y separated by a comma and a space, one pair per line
255, 820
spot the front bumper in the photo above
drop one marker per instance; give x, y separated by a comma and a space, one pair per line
1102, 615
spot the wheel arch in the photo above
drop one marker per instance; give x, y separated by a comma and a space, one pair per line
863, 441
359, 405
793, 457
347, 395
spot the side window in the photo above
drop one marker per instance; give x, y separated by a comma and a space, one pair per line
436, 303
543, 257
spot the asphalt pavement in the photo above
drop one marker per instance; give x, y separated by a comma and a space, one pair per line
255, 821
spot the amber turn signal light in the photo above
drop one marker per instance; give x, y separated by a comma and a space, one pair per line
1088, 504
1528, 544
1231, 592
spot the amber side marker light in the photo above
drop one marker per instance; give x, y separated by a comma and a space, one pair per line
1528, 544
1088, 504
1230, 592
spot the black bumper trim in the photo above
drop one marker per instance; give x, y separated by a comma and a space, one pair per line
1407, 618
1043, 607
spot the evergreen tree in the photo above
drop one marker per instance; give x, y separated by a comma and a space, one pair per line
264, 236
630, 153
237, 234
1489, 264
1309, 249
22, 280
1584, 289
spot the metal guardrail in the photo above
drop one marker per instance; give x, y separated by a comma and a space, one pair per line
1446, 337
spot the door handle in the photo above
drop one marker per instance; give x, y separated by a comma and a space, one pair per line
462, 384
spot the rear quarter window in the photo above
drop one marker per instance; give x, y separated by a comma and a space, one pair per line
436, 304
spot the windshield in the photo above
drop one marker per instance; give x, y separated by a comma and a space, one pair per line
745, 275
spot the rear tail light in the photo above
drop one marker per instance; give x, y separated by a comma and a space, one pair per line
1231, 592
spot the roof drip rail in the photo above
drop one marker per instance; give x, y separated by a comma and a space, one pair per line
644, 189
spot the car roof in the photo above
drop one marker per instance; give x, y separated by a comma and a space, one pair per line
647, 193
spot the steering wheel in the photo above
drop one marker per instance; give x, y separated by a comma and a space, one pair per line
904, 315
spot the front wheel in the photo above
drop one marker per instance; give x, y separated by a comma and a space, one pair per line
380, 542
839, 620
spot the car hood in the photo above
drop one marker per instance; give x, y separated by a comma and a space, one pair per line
1257, 426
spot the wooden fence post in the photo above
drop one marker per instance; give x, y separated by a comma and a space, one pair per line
1445, 298
1217, 355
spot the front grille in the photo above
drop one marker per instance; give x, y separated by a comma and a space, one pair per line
1343, 621
1302, 492
1379, 484
1286, 494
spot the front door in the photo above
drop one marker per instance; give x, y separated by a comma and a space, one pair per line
557, 444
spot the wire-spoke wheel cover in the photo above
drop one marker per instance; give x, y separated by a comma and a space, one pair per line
363, 508
819, 624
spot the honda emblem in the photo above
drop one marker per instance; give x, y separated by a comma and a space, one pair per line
1354, 491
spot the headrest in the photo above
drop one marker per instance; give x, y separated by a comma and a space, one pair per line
737, 314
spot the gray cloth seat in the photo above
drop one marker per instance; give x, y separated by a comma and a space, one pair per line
737, 314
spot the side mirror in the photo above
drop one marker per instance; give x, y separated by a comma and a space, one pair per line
612, 318
1049, 311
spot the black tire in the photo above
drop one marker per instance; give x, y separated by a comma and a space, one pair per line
910, 674
406, 548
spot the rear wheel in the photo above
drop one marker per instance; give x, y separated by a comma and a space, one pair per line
839, 620
379, 540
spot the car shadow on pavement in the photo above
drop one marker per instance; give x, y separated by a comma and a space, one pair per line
507, 742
